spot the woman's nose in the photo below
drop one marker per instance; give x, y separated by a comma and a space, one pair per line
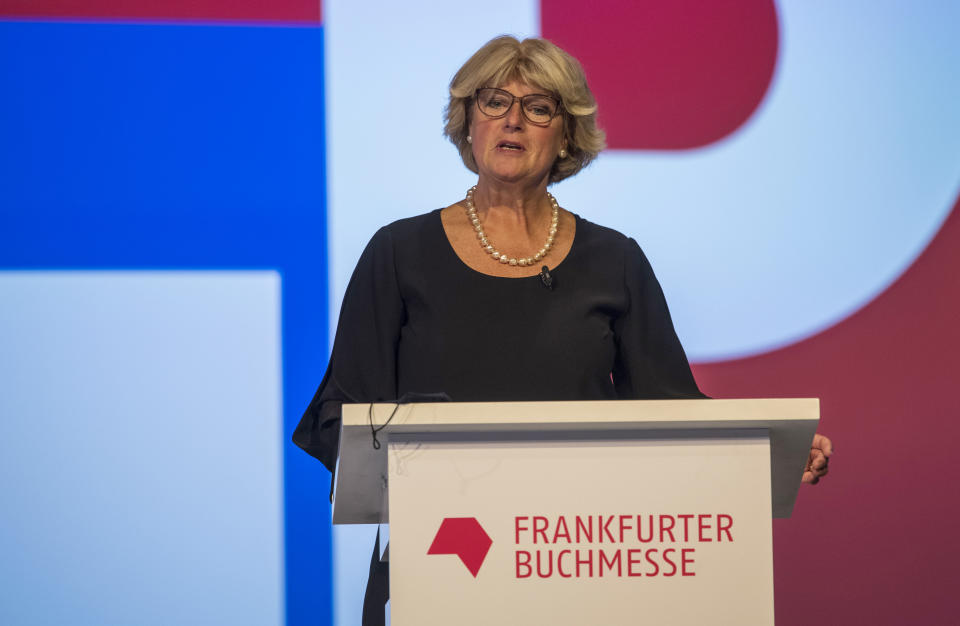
514, 115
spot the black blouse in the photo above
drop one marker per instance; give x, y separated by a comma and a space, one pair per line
416, 319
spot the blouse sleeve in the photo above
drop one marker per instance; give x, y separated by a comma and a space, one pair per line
650, 362
363, 362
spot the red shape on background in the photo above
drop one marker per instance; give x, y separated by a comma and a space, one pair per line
876, 541
465, 537
289, 11
669, 75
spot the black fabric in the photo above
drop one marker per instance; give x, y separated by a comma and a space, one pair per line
416, 319
378, 589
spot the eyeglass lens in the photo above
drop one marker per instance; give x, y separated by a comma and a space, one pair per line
537, 108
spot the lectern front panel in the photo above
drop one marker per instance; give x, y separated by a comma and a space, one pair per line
660, 531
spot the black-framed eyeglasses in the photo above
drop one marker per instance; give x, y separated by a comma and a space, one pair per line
537, 108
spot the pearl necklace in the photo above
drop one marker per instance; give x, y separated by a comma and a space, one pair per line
488, 246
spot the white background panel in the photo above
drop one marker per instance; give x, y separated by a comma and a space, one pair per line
140, 448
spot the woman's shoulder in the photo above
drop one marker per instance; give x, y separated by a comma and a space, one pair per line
607, 247
405, 232
603, 239
415, 222
597, 232
409, 227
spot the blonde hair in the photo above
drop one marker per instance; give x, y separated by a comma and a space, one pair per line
538, 63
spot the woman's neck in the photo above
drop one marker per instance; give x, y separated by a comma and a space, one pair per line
521, 206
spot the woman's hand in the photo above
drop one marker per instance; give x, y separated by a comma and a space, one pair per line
817, 462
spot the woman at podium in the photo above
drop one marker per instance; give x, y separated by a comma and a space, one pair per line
504, 295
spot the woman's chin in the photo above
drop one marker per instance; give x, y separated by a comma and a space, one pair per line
513, 176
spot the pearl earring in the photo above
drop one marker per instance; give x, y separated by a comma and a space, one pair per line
563, 153
469, 139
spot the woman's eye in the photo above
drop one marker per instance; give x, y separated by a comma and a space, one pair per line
539, 107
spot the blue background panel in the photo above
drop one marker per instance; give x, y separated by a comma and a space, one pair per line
140, 448
133, 146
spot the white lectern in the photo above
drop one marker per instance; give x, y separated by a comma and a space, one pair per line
618, 512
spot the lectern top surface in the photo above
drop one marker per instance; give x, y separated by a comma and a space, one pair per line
362, 479
641, 413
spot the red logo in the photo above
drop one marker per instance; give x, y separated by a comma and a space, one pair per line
465, 537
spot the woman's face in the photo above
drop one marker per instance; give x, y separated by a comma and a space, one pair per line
511, 149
